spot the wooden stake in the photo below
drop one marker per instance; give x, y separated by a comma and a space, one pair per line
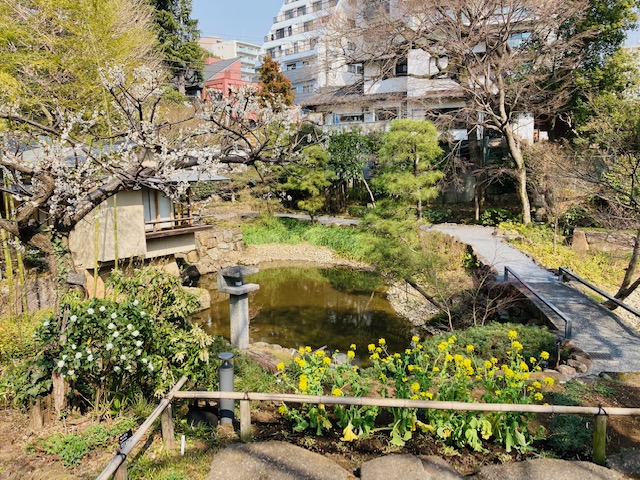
121, 472
166, 422
245, 420
600, 440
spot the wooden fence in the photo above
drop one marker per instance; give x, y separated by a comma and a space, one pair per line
118, 467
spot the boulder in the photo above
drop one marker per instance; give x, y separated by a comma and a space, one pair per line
408, 467
579, 241
545, 469
566, 370
275, 461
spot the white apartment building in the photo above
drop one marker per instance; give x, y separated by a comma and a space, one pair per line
341, 95
293, 42
228, 49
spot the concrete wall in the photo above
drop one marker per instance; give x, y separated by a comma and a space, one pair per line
158, 247
131, 235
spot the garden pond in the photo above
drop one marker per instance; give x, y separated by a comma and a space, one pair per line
295, 306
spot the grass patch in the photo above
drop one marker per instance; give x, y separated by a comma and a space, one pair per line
16, 334
601, 268
71, 448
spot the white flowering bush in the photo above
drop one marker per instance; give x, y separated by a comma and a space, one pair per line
113, 350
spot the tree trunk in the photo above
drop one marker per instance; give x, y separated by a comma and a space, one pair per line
520, 173
477, 160
628, 286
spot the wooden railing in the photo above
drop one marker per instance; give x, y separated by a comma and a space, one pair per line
118, 466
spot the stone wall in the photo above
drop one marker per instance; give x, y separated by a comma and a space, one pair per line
606, 241
215, 249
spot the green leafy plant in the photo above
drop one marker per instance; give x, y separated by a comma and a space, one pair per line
494, 216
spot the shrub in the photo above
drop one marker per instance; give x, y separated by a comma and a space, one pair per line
494, 216
16, 334
438, 215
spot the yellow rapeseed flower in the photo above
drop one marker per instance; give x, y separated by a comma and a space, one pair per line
415, 338
336, 392
448, 357
280, 366
524, 367
371, 347
326, 360
374, 356
352, 346
537, 385
498, 392
516, 345
407, 351
488, 364
302, 363
494, 360
436, 369
512, 334
470, 348
544, 355
303, 384
320, 353
538, 396
307, 349
282, 409
457, 357
351, 354
382, 341
532, 360
419, 346
549, 381
348, 435
396, 355
442, 346
415, 387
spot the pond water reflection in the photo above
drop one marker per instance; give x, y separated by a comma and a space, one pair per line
313, 306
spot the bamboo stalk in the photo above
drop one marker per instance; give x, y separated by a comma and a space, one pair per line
405, 403
115, 231
600, 439
121, 456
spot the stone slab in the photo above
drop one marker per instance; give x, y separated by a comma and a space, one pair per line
273, 461
546, 469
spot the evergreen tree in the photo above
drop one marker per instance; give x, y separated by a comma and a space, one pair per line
276, 87
178, 35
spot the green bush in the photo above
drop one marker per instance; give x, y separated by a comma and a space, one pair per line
16, 335
438, 215
494, 216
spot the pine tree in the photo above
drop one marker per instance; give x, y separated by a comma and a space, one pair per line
178, 35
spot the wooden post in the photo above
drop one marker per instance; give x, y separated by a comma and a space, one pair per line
166, 422
121, 472
36, 416
600, 440
245, 420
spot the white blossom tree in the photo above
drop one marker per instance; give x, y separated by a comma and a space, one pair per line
60, 171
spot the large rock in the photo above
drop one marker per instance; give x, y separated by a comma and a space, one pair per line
273, 461
579, 241
408, 467
545, 469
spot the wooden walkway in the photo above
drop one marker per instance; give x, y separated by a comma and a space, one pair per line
612, 345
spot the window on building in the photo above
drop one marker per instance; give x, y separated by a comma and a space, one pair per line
307, 89
280, 33
302, 11
386, 114
291, 66
349, 118
289, 14
402, 68
271, 52
306, 26
355, 68
316, 6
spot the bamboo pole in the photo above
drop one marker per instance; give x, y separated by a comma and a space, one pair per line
22, 278
405, 403
121, 456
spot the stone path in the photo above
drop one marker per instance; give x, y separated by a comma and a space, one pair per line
612, 346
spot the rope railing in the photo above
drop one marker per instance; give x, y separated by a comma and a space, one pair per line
567, 321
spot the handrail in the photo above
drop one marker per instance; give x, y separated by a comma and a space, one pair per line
121, 456
562, 270
567, 321
405, 403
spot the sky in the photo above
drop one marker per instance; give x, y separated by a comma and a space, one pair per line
245, 20
250, 20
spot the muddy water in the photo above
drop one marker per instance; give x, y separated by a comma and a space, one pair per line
314, 306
